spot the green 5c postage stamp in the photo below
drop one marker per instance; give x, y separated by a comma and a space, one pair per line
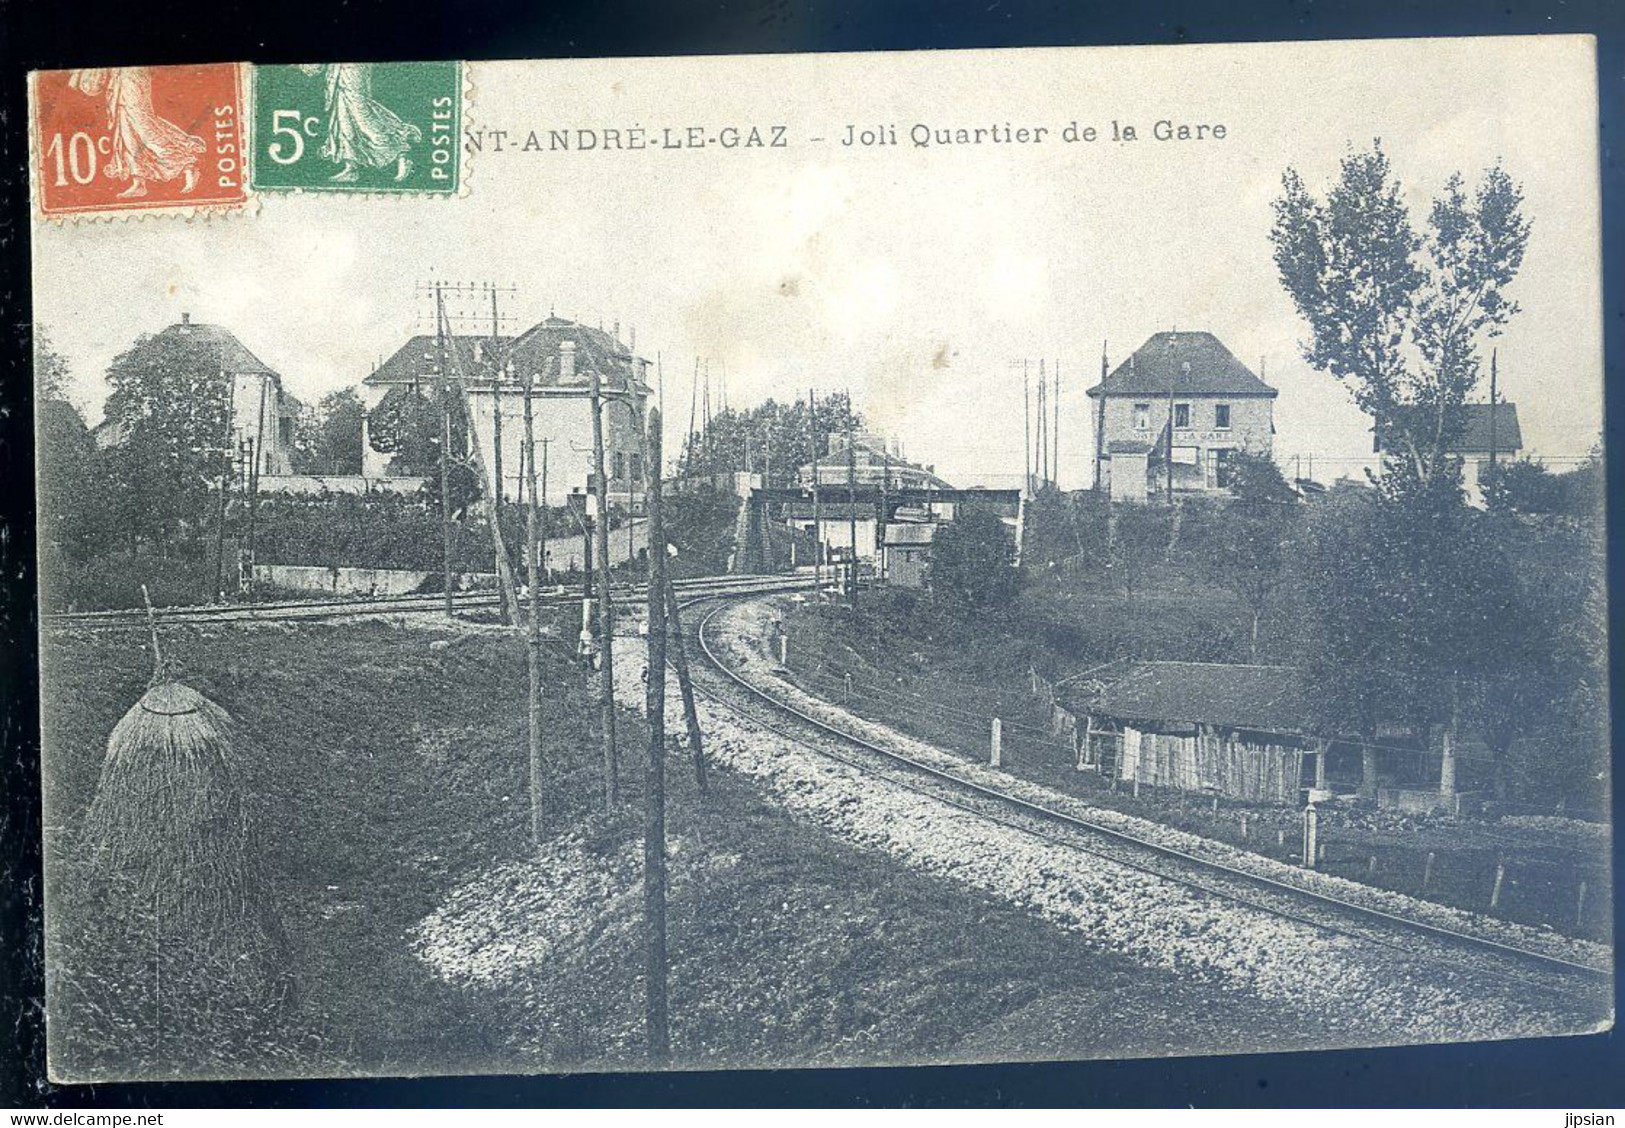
358, 127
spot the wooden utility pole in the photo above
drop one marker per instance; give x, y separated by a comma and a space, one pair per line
852, 510
654, 786
533, 648
540, 499
445, 458
1494, 381
884, 515
1100, 422
1026, 430
505, 579
1055, 440
685, 683
1168, 461
257, 454
496, 402
496, 432
818, 516
1043, 423
690, 447
606, 629
226, 447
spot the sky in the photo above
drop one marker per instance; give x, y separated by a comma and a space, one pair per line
916, 277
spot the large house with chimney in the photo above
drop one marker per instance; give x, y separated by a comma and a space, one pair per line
263, 413
1181, 405
551, 363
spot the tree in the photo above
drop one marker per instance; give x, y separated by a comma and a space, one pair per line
50, 368
776, 434
1137, 541
407, 424
328, 437
973, 560
1394, 314
170, 398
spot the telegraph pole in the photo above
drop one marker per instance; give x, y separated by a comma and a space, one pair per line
852, 506
1169, 461
225, 477
533, 647
655, 1002
1055, 410
257, 454
445, 448
496, 401
1494, 381
1043, 423
818, 520
1026, 430
606, 681
505, 580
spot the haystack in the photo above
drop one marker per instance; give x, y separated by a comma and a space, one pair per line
170, 842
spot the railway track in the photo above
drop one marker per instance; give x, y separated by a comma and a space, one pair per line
1448, 951
318, 610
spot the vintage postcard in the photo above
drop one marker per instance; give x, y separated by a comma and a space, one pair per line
821, 560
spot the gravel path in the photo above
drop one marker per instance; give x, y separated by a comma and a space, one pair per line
1373, 993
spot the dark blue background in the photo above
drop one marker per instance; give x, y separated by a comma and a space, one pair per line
1575, 1073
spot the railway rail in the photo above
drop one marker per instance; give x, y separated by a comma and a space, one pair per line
317, 610
1411, 937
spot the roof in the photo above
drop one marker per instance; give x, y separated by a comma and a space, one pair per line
535, 353
1475, 428
907, 533
1182, 363
414, 362
1264, 698
234, 357
1127, 446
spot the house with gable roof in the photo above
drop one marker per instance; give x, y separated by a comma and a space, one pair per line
554, 359
263, 414
1181, 404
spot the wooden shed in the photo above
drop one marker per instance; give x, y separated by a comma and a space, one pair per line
1239, 731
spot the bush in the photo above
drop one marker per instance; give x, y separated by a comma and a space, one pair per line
973, 560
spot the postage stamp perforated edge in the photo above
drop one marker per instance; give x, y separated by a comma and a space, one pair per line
190, 211
467, 97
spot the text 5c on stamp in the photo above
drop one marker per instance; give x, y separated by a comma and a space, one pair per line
358, 127
124, 139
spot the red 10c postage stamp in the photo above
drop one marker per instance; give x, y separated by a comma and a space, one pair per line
108, 140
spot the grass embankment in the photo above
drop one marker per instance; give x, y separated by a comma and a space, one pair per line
942, 677
387, 769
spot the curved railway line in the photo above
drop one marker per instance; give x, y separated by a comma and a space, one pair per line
317, 610
1412, 938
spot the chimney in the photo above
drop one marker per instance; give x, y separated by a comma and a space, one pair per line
567, 362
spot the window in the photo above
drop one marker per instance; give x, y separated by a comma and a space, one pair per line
1219, 468
1221, 416
637, 466
1142, 417
619, 470
1182, 416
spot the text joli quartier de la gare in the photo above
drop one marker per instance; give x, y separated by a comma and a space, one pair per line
850, 135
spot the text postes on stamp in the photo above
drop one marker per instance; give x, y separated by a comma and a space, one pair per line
116, 139
358, 127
